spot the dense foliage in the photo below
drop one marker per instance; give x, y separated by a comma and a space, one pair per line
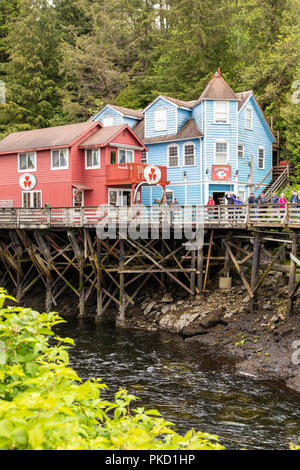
62, 60
45, 405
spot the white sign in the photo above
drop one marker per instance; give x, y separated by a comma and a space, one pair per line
152, 174
27, 181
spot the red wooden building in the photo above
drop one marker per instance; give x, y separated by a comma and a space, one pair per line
81, 164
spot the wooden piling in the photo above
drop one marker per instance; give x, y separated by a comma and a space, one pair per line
255, 270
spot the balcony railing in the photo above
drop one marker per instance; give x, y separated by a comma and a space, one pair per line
130, 173
224, 216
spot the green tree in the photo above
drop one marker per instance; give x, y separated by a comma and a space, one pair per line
32, 77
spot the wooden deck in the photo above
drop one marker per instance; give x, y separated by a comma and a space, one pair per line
218, 217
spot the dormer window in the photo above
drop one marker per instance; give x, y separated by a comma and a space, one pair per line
160, 119
108, 120
221, 112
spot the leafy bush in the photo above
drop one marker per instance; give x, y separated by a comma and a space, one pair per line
44, 405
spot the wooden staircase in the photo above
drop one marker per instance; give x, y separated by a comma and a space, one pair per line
280, 178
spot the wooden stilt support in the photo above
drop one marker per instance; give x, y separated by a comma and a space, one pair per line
99, 290
255, 269
291, 298
193, 273
200, 269
121, 318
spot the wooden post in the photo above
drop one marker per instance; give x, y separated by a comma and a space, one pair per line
121, 318
200, 269
99, 289
193, 273
292, 276
226, 263
255, 270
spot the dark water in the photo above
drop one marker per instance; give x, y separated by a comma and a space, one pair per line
187, 385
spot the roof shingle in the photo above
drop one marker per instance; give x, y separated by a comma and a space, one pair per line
44, 138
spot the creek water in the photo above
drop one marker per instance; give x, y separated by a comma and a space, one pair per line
187, 385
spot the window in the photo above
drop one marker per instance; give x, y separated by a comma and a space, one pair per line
248, 123
125, 156
32, 199
261, 158
144, 157
92, 158
189, 154
173, 159
221, 112
221, 153
241, 151
59, 159
108, 121
113, 157
160, 119
27, 161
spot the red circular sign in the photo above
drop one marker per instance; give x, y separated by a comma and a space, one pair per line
27, 181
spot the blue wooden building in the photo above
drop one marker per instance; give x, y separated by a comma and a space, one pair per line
218, 143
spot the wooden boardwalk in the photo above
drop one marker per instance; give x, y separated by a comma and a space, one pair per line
224, 216
61, 250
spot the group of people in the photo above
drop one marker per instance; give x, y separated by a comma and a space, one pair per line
232, 199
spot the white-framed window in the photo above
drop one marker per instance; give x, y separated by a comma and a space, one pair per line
248, 118
241, 151
108, 120
242, 195
92, 159
221, 153
27, 161
261, 158
221, 112
60, 159
160, 119
144, 157
126, 156
173, 155
31, 199
189, 154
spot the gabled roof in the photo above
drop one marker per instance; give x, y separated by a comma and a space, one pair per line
49, 137
243, 97
218, 89
127, 112
178, 103
105, 135
190, 130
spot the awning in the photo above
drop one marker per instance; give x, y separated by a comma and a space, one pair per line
82, 187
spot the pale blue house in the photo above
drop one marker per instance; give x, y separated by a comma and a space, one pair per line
219, 143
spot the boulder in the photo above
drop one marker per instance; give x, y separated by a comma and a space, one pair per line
149, 307
167, 298
211, 319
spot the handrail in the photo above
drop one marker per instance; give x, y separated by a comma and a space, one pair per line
245, 215
280, 181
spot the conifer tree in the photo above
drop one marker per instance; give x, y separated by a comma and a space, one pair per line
32, 70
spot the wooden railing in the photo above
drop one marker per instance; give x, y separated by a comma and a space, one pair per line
130, 173
269, 215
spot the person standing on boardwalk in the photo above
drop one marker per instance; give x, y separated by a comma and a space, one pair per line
293, 198
211, 202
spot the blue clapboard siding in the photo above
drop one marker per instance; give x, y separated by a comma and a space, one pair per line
118, 118
171, 113
183, 116
217, 132
109, 112
259, 136
197, 115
